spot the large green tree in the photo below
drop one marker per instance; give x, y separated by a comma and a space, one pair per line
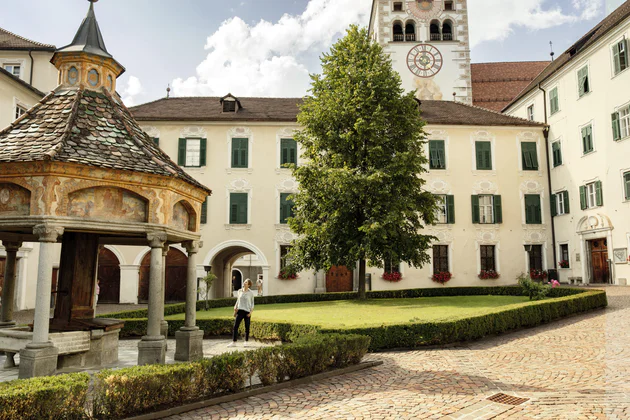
361, 195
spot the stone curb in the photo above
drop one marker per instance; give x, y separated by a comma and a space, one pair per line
253, 392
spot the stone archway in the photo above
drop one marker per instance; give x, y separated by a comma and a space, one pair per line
221, 259
176, 266
109, 276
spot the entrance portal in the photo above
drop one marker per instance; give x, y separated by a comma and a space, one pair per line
237, 280
339, 279
599, 261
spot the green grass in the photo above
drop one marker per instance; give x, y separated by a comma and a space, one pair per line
376, 312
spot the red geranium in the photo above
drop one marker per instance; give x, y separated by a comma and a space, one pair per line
393, 276
488, 275
442, 278
287, 273
537, 274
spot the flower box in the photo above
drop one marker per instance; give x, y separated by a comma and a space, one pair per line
489, 275
564, 264
287, 274
442, 278
393, 276
538, 274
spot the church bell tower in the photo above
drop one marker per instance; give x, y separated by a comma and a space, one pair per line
429, 46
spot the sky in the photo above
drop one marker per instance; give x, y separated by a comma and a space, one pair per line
269, 47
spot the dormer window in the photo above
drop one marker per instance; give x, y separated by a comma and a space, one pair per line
229, 106
230, 103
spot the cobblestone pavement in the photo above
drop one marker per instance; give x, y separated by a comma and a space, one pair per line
577, 368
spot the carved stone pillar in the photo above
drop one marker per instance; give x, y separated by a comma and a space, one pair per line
152, 347
163, 323
8, 290
39, 358
189, 339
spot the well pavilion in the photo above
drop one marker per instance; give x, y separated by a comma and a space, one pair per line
77, 169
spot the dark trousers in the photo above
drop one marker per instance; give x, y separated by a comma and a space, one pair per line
241, 315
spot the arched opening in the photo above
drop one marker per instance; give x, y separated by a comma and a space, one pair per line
447, 31
237, 279
235, 259
183, 216
109, 277
399, 35
434, 29
410, 31
176, 268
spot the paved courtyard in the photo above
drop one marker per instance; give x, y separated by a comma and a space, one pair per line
578, 368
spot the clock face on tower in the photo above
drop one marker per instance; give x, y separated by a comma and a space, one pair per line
424, 60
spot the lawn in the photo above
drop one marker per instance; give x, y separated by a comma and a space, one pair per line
375, 312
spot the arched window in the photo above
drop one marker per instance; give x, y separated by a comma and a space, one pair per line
410, 31
399, 35
434, 29
447, 31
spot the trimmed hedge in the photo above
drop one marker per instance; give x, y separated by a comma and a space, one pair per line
52, 397
132, 391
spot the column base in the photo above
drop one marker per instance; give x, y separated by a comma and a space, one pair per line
188, 345
38, 360
7, 324
164, 330
151, 350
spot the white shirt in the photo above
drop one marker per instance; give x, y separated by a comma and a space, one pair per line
245, 300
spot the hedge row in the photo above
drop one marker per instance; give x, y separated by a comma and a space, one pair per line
52, 397
180, 308
140, 389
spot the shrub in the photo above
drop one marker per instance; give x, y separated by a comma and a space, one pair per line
442, 278
533, 289
52, 397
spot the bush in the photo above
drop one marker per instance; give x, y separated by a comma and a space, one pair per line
533, 289
53, 397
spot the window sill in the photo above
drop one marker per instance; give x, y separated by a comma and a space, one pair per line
557, 166
282, 226
588, 153
283, 170
620, 73
622, 139
584, 95
239, 170
229, 226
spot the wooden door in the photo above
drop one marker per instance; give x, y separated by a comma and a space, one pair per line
599, 260
176, 271
339, 279
109, 276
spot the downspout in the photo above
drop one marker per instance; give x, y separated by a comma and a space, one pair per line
30, 54
546, 134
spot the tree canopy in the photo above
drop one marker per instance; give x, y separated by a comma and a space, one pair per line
361, 195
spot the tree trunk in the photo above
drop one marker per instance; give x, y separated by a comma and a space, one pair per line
362, 294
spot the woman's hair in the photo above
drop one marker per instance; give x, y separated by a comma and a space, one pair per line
248, 281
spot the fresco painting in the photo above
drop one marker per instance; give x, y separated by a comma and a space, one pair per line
14, 200
107, 203
181, 217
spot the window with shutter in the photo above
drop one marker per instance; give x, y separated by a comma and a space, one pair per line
565, 198
533, 213
441, 211
599, 195
288, 152
554, 198
484, 155
560, 203
204, 212
240, 153
181, 152
498, 209
530, 113
440, 259
583, 82
475, 209
529, 156
284, 253
238, 208
564, 256
626, 183
535, 257
557, 154
624, 122
620, 56
437, 154
587, 139
554, 102
450, 209
391, 266
488, 262
286, 208
583, 200
193, 153
486, 209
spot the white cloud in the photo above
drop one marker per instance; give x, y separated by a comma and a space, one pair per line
131, 89
268, 59
495, 20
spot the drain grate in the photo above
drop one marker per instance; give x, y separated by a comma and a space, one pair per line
507, 399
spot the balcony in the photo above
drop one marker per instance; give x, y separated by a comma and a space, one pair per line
436, 37
399, 37
447, 37
410, 37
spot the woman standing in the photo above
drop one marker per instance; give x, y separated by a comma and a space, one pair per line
243, 311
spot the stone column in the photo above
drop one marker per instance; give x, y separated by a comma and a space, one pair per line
266, 280
8, 291
189, 339
39, 358
152, 347
163, 323
320, 276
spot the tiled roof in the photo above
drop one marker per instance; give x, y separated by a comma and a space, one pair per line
85, 127
601, 29
286, 109
21, 82
11, 41
210, 109
494, 85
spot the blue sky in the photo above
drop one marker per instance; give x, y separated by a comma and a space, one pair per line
267, 48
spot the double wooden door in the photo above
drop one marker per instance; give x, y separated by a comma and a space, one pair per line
109, 276
599, 261
339, 279
176, 272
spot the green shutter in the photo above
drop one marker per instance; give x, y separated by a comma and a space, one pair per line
240, 153
475, 208
557, 154
181, 153
204, 212
567, 207
626, 179
533, 214
587, 139
554, 205
498, 209
553, 101
616, 126
238, 208
529, 156
598, 193
616, 60
286, 208
624, 54
484, 155
437, 154
583, 81
156, 141
583, 203
450, 209
202, 152
288, 151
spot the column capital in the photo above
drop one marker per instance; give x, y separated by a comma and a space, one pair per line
12, 246
48, 233
165, 250
192, 247
157, 239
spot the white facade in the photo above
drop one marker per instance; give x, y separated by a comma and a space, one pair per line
591, 158
432, 55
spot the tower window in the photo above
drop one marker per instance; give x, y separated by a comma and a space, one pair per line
447, 31
398, 6
435, 31
448, 5
399, 35
410, 32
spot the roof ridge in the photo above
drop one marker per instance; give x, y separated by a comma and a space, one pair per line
510, 62
27, 40
50, 155
498, 113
